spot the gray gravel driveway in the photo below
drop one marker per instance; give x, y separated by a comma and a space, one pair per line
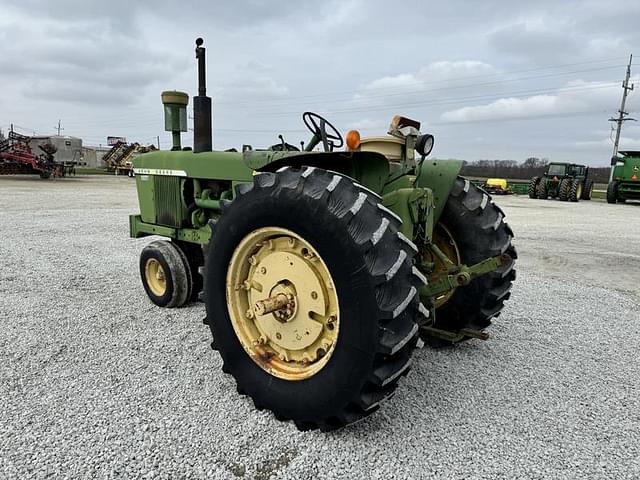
96, 382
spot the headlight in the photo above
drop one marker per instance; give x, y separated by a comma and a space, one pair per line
424, 145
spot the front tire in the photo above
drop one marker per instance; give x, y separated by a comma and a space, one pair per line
164, 274
302, 214
478, 228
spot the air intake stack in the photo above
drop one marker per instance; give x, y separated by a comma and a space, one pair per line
201, 106
175, 115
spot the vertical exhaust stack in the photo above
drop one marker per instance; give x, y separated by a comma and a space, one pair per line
202, 141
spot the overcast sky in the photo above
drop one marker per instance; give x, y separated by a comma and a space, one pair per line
490, 79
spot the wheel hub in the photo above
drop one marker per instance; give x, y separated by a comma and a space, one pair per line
282, 303
156, 278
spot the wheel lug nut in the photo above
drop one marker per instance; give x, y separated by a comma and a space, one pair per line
263, 270
278, 336
314, 295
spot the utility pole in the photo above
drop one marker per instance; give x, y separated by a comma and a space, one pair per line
59, 127
622, 117
158, 138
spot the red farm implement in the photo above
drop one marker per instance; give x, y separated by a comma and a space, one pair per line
17, 157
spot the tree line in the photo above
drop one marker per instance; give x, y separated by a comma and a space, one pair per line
511, 169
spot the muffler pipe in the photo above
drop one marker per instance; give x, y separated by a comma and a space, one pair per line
202, 140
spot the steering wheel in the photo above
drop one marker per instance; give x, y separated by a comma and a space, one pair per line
318, 126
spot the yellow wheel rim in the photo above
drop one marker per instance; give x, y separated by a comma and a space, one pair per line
282, 303
443, 239
156, 278
579, 191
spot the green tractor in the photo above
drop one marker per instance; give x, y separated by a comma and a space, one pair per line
321, 269
625, 182
564, 181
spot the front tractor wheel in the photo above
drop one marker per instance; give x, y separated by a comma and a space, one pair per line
311, 297
165, 274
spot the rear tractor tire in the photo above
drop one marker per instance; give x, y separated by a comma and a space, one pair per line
165, 274
312, 297
533, 185
587, 190
476, 231
564, 189
576, 191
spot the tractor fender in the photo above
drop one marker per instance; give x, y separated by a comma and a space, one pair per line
370, 169
439, 176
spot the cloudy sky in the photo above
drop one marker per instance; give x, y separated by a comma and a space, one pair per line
490, 79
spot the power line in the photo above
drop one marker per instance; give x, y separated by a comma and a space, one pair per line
422, 91
449, 101
140, 122
484, 120
288, 100
405, 105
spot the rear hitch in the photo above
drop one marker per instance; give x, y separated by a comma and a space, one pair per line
457, 276
461, 275
455, 336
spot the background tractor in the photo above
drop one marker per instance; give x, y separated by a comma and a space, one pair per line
625, 183
565, 181
319, 268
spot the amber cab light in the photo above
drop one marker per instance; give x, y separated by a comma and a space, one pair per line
353, 140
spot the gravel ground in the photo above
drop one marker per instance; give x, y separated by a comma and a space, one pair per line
96, 382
